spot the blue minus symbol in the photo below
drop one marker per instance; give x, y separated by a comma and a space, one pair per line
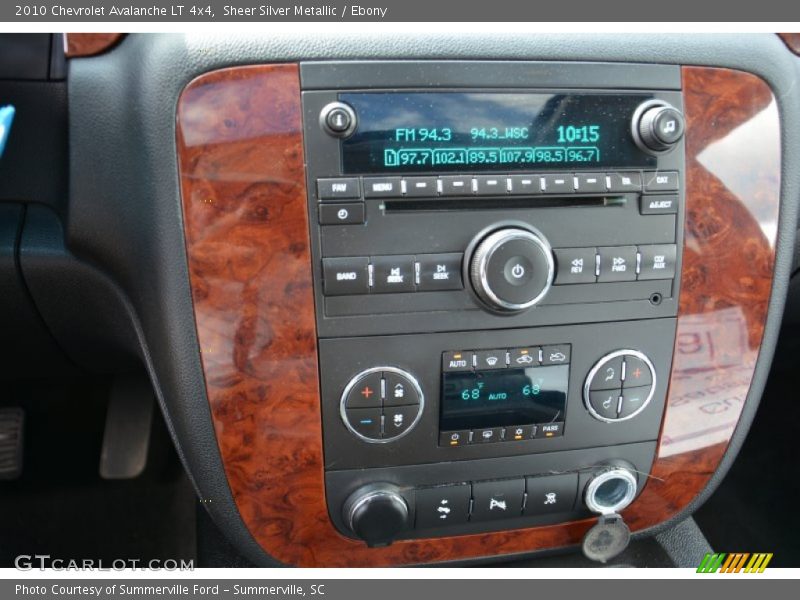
366, 421
6, 118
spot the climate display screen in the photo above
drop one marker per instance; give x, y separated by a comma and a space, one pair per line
503, 397
474, 132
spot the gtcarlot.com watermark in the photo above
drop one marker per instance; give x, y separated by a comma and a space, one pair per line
42, 562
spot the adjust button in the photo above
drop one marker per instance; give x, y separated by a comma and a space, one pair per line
347, 275
366, 393
365, 421
351, 213
441, 506
551, 494
438, 272
497, 499
393, 274
634, 400
637, 372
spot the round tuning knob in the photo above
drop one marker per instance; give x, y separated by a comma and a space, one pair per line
657, 127
511, 269
377, 513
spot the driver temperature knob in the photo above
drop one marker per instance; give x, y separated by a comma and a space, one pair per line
511, 269
377, 513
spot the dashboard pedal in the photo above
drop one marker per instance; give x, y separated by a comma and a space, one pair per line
12, 421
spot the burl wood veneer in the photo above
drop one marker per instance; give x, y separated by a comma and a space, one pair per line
792, 40
247, 237
89, 44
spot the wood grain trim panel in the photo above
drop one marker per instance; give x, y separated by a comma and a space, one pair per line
792, 40
247, 237
78, 45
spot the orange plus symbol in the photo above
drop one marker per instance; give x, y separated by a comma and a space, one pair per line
637, 373
366, 392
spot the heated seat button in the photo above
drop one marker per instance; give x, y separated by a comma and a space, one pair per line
605, 403
345, 275
608, 375
617, 264
365, 393
393, 274
575, 265
551, 494
365, 421
637, 372
658, 262
399, 390
634, 400
443, 506
497, 499
438, 272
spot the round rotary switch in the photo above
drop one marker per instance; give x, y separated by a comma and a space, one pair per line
657, 127
376, 513
511, 269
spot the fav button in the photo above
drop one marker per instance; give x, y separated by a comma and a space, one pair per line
338, 188
551, 494
497, 499
441, 506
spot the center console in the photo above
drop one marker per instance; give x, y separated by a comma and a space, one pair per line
495, 288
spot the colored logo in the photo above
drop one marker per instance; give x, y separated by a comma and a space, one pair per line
735, 562
6, 118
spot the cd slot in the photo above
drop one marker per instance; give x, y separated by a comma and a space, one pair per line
500, 202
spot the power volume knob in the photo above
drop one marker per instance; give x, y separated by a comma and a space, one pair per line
657, 127
511, 269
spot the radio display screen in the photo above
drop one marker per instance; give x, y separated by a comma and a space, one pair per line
432, 132
503, 397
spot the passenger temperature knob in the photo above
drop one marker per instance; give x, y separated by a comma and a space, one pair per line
511, 269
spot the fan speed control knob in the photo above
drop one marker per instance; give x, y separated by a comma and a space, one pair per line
657, 127
511, 269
